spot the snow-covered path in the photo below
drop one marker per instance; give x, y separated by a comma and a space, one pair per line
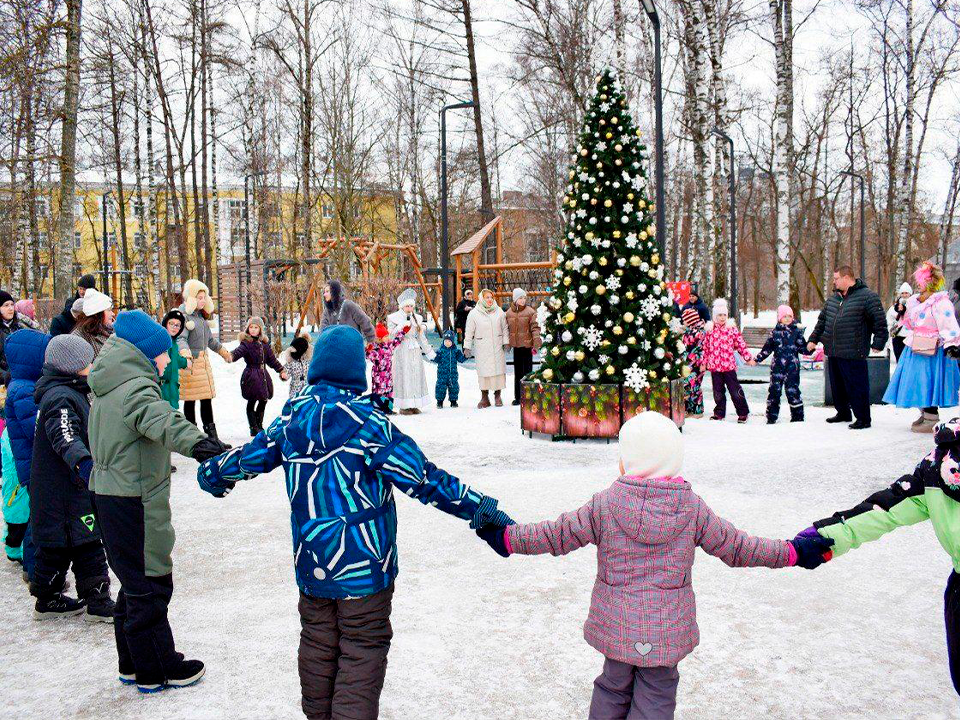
480, 637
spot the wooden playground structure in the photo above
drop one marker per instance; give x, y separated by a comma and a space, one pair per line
277, 286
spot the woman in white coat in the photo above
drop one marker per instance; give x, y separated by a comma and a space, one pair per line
487, 338
410, 391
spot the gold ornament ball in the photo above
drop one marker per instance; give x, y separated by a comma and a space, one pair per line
602, 261
571, 175
653, 374
609, 135
643, 235
579, 355
655, 258
555, 351
573, 202
618, 147
601, 289
605, 343
569, 317
583, 152
635, 260
629, 294
639, 134
602, 121
603, 97
568, 265
616, 233
618, 162
629, 196
608, 203
628, 317
651, 272
617, 330
593, 201
614, 120
631, 340
619, 271
642, 204
589, 236
547, 374
610, 370
566, 280
685, 371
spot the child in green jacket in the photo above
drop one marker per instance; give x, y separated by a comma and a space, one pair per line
931, 493
132, 432
174, 322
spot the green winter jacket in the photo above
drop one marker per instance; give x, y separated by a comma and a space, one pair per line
932, 493
170, 381
132, 432
16, 500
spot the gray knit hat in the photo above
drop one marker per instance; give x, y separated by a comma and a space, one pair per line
68, 354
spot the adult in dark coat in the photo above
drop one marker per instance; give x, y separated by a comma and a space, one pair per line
850, 317
340, 310
64, 322
696, 302
463, 309
62, 520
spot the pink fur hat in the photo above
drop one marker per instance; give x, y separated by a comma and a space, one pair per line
783, 310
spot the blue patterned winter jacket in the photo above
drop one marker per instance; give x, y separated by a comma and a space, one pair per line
25, 351
342, 458
785, 343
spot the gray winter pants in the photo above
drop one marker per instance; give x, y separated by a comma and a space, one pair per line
627, 692
343, 655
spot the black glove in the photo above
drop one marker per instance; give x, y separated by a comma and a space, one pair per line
811, 550
953, 351
494, 536
207, 448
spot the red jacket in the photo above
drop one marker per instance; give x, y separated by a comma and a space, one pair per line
720, 345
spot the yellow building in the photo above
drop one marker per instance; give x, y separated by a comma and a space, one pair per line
277, 230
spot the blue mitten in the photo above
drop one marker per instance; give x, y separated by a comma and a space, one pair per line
208, 476
487, 514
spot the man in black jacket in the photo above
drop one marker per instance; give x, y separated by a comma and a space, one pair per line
848, 320
460, 314
64, 322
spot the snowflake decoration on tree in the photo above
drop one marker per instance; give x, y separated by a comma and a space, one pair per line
635, 378
613, 283
592, 337
603, 359
650, 307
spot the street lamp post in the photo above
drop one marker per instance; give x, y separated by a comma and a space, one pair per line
444, 229
104, 199
651, 11
733, 225
246, 236
863, 227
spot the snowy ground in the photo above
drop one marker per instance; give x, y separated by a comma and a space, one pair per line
480, 637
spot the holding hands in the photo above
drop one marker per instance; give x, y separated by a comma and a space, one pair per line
813, 550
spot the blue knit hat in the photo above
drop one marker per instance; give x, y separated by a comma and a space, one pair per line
143, 332
339, 360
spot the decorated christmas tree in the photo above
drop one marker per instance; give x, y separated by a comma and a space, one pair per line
609, 319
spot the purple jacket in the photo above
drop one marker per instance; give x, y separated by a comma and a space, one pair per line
255, 383
643, 610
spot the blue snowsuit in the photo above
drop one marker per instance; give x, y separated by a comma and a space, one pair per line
785, 343
448, 374
343, 458
25, 350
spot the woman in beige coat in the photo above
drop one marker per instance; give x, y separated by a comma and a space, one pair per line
487, 339
196, 382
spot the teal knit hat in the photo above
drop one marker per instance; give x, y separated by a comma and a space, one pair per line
143, 332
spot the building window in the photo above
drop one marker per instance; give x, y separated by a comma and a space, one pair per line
110, 205
79, 207
326, 210
77, 240
42, 206
236, 208
141, 271
138, 206
138, 239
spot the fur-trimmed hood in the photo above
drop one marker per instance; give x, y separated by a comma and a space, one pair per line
246, 337
191, 288
711, 324
286, 355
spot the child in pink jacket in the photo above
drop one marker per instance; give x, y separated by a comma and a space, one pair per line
647, 527
721, 341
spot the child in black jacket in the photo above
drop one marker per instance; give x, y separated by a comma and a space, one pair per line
785, 343
64, 526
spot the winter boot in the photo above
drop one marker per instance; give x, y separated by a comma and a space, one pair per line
453, 404
918, 421
439, 404
497, 400
99, 605
838, 418
771, 421
185, 674
56, 606
929, 422
211, 431
127, 673
484, 399
742, 419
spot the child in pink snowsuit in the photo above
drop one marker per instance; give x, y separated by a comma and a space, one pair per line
647, 527
721, 341
380, 354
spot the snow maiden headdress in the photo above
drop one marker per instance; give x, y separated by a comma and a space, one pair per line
407, 298
929, 277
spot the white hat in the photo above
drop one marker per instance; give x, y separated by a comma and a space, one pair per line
651, 446
407, 297
720, 306
519, 293
905, 288
95, 302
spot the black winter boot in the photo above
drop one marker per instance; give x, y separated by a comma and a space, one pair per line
99, 605
211, 431
186, 673
51, 607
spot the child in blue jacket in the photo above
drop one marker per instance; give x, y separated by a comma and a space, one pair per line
448, 374
785, 343
343, 458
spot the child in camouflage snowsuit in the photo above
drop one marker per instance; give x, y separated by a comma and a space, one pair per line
448, 374
785, 343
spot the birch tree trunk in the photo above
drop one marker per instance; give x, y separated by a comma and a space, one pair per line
486, 197
115, 117
904, 206
214, 192
154, 244
140, 249
620, 39
68, 148
781, 169
949, 208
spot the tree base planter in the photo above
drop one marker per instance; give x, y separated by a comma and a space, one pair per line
574, 411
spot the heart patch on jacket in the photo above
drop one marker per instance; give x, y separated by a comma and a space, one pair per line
644, 648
